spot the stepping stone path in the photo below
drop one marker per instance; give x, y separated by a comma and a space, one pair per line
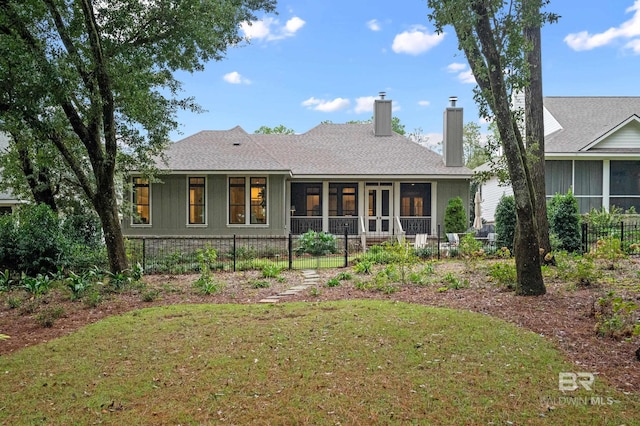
311, 278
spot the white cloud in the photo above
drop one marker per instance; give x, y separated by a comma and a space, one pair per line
630, 29
293, 25
269, 29
373, 25
416, 41
467, 77
326, 106
364, 104
634, 45
456, 67
464, 74
424, 103
234, 77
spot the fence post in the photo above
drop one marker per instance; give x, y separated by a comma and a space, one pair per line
585, 237
622, 236
235, 254
290, 250
438, 241
144, 254
346, 246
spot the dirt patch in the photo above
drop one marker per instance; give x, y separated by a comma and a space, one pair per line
563, 315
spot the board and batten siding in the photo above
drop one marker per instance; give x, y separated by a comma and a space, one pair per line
169, 203
447, 189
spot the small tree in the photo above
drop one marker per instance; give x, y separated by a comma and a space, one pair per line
506, 222
564, 218
455, 219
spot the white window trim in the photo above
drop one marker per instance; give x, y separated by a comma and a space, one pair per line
247, 202
206, 202
132, 222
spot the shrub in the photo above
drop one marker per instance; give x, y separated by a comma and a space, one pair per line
317, 243
342, 276
259, 284
8, 242
36, 285
609, 250
504, 275
584, 272
13, 302
450, 281
564, 221
333, 282
39, 244
616, 317
470, 247
363, 267
426, 252
77, 284
271, 270
205, 283
455, 218
150, 295
5, 280
48, 316
506, 222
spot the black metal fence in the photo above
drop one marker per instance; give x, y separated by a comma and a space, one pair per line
238, 252
627, 233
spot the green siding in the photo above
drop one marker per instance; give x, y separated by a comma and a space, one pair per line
448, 189
169, 209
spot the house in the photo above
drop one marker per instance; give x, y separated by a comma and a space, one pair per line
362, 178
8, 201
592, 145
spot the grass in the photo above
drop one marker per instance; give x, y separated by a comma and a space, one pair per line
349, 362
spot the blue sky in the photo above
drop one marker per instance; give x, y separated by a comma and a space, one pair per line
327, 60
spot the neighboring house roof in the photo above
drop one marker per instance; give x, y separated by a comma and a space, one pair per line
326, 150
585, 121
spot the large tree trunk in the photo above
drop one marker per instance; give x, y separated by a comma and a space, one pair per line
38, 180
107, 209
534, 124
526, 247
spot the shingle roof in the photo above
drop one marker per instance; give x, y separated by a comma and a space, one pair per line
326, 150
585, 119
226, 150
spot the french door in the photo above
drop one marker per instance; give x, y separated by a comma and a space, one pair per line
379, 209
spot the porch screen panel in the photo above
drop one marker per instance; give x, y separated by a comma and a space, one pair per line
141, 201
625, 184
557, 176
196, 200
415, 199
625, 178
588, 184
258, 200
343, 199
237, 200
306, 198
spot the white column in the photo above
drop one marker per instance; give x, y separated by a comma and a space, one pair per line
606, 183
325, 206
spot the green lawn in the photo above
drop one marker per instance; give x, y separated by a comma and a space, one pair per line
350, 362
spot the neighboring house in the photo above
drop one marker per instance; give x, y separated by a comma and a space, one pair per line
362, 177
8, 201
592, 145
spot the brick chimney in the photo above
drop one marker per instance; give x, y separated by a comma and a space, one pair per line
382, 116
452, 143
